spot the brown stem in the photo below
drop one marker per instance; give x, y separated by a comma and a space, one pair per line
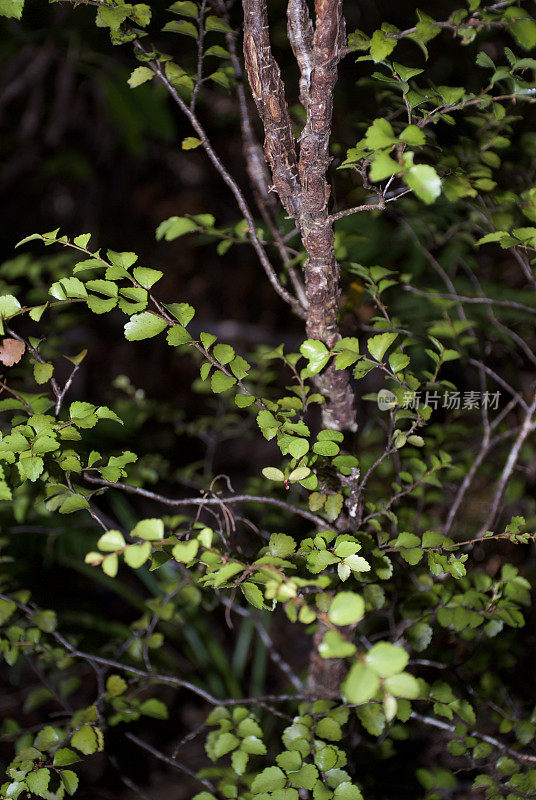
269, 94
321, 268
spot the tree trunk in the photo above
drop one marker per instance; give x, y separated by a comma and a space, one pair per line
303, 189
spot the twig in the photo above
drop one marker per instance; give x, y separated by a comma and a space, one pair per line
210, 501
231, 183
437, 723
527, 427
171, 762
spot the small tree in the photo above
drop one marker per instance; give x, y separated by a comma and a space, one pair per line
362, 534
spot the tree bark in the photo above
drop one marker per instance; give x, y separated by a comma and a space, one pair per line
301, 183
303, 189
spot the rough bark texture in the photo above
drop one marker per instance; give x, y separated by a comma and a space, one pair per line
301, 37
269, 95
304, 191
321, 269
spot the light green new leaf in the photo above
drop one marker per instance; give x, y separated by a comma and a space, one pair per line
424, 181
387, 659
111, 541
136, 555
381, 46
334, 646
316, 353
361, 684
184, 552
12, 8
346, 608
377, 345
379, 135
403, 685
85, 740
43, 372
150, 529
144, 326
383, 167
140, 75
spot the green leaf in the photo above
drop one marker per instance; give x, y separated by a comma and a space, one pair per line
38, 781
72, 503
110, 565
403, 685
523, 28
13, 8
140, 75
269, 780
225, 744
223, 353
177, 335
65, 756
220, 382
387, 659
30, 467
150, 529
154, 708
253, 594
424, 181
380, 134
381, 46
361, 684
136, 555
299, 474
179, 26
377, 345
9, 306
326, 448
70, 780
186, 8
316, 353
190, 143
115, 686
383, 167
185, 552
281, 545
111, 541
346, 608
85, 740
334, 646
146, 277
347, 791
174, 227
183, 312
413, 136
111, 16
213, 23
273, 474
144, 326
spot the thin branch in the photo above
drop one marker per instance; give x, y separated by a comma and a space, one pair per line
231, 183
473, 300
171, 762
528, 426
211, 501
444, 726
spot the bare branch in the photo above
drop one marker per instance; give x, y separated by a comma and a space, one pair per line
269, 95
301, 35
211, 501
